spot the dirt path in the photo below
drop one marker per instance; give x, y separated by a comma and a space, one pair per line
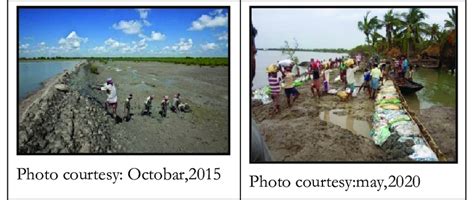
301, 133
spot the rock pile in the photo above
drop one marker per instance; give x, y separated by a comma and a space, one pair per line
63, 121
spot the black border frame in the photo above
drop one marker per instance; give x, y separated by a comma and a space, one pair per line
365, 162
227, 7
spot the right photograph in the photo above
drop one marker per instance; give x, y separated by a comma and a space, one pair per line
353, 84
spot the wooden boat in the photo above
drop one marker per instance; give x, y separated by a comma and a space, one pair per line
406, 86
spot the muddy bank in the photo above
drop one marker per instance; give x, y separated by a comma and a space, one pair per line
76, 121
441, 123
57, 119
304, 133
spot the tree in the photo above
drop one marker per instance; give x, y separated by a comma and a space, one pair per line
434, 33
290, 51
390, 22
412, 28
368, 25
452, 21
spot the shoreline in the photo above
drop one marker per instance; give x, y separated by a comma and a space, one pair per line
45, 88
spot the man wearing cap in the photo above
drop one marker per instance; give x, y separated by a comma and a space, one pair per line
111, 101
274, 83
164, 106
127, 107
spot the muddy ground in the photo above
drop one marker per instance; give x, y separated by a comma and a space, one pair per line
441, 123
327, 129
205, 89
300, 133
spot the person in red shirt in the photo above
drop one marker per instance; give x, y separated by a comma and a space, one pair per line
315, 67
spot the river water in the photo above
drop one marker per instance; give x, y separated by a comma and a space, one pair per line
439, 89
33, 73
266, 58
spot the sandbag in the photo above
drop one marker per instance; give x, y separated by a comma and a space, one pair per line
349, 62
297, 83
392, 100
389, 107
285, 63
423, 153
399, 118
342, 94
380, 135
332, 91
260, 95
407, 129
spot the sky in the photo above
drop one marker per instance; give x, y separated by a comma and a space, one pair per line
321, 27
160, 32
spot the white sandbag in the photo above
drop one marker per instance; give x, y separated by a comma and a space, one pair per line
423, 153
407, 129
285, 63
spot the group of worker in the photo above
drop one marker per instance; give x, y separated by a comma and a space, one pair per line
112, 100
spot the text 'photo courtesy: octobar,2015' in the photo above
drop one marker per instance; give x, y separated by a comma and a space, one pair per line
123, 80
353, 84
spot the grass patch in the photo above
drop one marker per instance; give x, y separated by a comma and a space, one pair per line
93, 69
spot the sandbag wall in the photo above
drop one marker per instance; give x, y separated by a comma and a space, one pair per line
395, 131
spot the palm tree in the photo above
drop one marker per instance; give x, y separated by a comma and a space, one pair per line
434, 32
412, 28
451, 22
390, 22
368, 25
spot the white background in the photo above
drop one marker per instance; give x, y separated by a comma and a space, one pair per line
227, 187
437, 180
431, 174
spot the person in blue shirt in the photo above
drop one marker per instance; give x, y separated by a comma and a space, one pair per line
405, 66
366, 84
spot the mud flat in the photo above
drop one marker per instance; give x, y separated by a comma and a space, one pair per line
76, 117
319, 129
441, 123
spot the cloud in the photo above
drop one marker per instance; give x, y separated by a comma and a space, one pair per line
144, 15
209, 46
71, 42
154, 36
24, 46
182, 45
42, 44
143, 12
223, 36
214, 19
111, 45
129, 27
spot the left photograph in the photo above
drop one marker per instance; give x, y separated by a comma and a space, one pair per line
123, 80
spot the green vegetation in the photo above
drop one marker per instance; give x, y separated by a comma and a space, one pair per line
93, 69
408, 34
201, 61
